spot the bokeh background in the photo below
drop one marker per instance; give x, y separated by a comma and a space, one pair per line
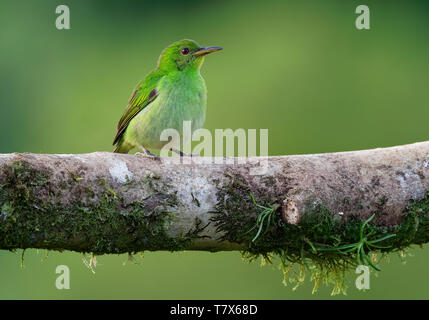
299, 68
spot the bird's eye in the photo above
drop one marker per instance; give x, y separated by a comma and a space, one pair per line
185, 51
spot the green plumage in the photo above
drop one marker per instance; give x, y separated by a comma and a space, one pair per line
174, 92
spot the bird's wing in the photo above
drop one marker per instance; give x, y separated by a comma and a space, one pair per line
142, 96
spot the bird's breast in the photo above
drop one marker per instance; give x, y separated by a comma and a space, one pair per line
183, 99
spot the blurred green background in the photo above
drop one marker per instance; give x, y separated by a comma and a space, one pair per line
299, 68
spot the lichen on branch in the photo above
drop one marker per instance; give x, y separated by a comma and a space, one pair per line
318, 214
316, 244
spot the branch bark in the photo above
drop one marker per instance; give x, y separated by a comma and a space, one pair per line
112, 203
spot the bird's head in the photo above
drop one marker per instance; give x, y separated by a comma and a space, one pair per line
184, 54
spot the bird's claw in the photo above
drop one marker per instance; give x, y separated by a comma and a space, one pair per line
183, 154
149, 155
190, 155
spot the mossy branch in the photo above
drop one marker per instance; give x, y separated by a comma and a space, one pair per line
112, 203
302, 206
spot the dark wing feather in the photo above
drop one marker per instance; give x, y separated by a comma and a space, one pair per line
142, 96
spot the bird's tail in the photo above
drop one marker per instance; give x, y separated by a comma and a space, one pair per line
121, 148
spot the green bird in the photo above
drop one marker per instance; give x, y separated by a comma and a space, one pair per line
174, 92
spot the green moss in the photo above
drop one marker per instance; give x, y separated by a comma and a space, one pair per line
314, 246
32, 216
100, 222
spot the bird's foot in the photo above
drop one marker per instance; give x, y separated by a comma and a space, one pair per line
149, 154
152, 156
183, 154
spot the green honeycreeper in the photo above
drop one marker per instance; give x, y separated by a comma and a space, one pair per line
174, 92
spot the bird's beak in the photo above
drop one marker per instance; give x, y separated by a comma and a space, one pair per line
206, 50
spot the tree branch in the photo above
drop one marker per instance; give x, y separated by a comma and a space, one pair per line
114, 203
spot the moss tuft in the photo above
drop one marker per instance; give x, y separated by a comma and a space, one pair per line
322, 244
29, 200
